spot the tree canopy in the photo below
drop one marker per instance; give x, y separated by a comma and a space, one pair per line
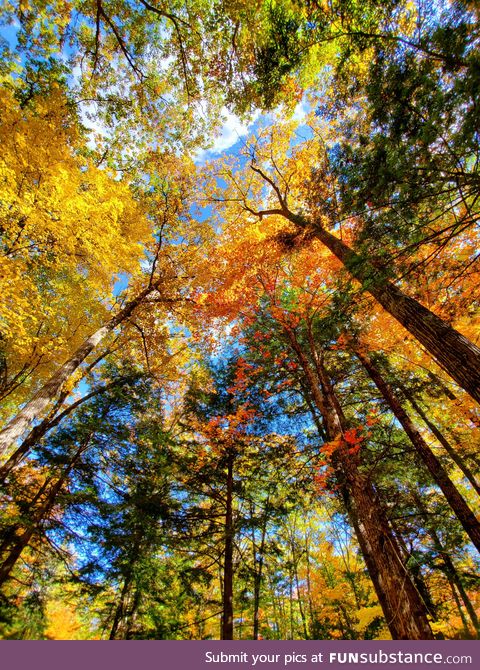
239, 378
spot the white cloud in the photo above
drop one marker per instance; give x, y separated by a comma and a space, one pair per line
231, 132
301, 110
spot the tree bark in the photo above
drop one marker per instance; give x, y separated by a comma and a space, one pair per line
227, 617
458, 460
462, 511
22, 540
45, 426
404, 610
457, 355
34, 409
448, 566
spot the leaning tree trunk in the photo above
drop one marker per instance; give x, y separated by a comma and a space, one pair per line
46, 425
404, 610
23, 538
459, 357
35, 408
448, 566
462, 511
451, 451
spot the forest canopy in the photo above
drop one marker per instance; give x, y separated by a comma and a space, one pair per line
239, 323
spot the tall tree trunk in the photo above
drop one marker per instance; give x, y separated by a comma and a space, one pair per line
258, 569
459, 357
35, 408
448, 566
403, 608
10, 534
295, 562
311, 612
415, 570
120, 608
458, 604
227, 617
462, 511
451, 451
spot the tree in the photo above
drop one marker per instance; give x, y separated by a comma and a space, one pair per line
277, 178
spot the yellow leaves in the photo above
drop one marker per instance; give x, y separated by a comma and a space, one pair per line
68, 229
366, 616
63, 623
57, 207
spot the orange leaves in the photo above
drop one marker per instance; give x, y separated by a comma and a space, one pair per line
229, 426
329, 448
354, 439
242, 373
351, 436
372, 418
351, 440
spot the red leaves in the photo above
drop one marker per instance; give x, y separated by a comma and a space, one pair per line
352, 436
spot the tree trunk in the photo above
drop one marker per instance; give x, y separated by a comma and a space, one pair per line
458, 460
258, 570
44, 508
227, 617
439, 475
403, 608
34, 409
45, 426
22, 540
459, 357
466, 630
448, 566
120, 608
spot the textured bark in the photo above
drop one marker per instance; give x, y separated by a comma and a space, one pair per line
36, 407
457, 355
462, 511
404, 610
227, 616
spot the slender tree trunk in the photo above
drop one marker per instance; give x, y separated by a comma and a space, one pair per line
258, 572
35, 408
295, 562
416, 573
300, 604
44, 509
459, 357
458, 604
22, 540
227, 617
451, 451
10, 534
311, 612
120, 608
449, 568
403, 608
455, 500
